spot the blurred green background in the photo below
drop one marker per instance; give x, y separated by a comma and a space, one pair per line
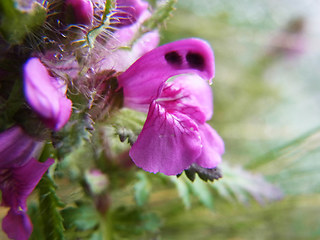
266, 109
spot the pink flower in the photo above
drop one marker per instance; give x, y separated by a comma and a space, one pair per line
20, 172
46, 95
175, 134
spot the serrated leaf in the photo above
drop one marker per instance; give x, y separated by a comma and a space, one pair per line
196, 188
84, 217
202, 192
142, 189
184, 191
77, 130
128, 222
161, 14
128, 124
242, 185
286, 154
48, 205
36, 219
15, 24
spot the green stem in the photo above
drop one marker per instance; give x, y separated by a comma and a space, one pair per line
106, 226
47, 152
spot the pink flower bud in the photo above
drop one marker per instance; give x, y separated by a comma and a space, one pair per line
81, 11
46, 95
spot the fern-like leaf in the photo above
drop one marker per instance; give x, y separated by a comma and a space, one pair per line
49, 204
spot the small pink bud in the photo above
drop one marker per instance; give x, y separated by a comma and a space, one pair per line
79, 11
97, 181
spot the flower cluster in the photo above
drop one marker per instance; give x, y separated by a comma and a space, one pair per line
94, 57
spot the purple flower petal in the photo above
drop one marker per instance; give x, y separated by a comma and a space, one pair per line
16, 147
17, 183
45, 95
17, 225
128, 11
168, 143
144, 80
212, 147
188, 94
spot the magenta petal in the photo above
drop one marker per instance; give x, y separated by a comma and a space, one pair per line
190, 95
64, 113
198, 92
16, 147
39, 91
212, 147
128, 11
168, 143
44, 96
82, 11
143, 81
17, 225
16, 184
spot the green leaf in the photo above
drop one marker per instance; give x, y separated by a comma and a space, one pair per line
78, 161
142, 189
77, 130
128, 124
15, 24
153, 3
197, 188
293, 164
287, 153
96, 236
202, 191
241, 185
84, 217
36, 219
128, 222
184, 191
48, 205
161, 15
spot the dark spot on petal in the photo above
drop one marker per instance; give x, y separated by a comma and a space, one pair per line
173, 58
195, 60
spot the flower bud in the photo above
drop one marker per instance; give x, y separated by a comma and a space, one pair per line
128, 11
79, 11
96, 181
46, 95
